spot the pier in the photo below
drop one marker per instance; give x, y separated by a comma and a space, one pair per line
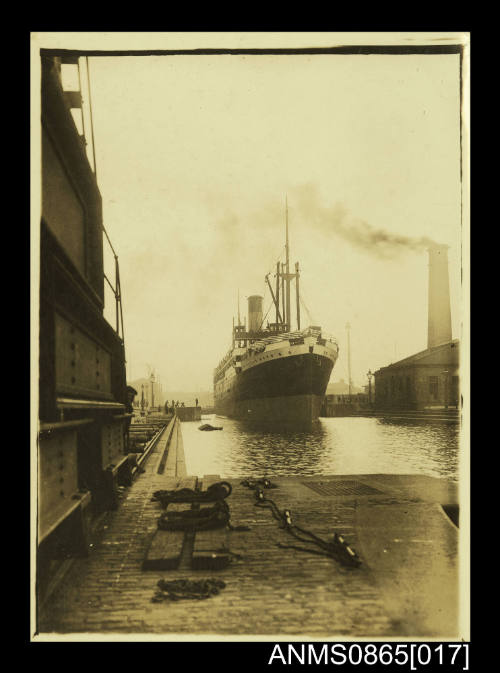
406, 584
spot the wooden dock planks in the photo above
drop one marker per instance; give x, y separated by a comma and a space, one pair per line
210, 549
166, 547
210, 546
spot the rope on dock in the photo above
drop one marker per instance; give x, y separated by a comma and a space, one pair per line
255, 483
207, 518
175, 590
215, 492
337, 548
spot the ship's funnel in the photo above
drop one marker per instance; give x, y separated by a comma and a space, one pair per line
439, 326
254, 313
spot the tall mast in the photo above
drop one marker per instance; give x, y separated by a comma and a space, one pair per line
277, 292
278, 317
348, 328
297, 293
287, 269
283, 302
239, 322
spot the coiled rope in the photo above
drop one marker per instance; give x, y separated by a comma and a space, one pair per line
206, 518
218, 491
175, 590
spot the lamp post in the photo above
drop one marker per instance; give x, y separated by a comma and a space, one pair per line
348, 328
370, 374
445, 377
152, 391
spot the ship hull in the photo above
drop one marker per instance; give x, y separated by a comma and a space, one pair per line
286, 391
300, 410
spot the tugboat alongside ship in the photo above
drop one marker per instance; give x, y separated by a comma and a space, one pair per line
273, 374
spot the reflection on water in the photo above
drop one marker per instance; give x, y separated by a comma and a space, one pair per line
335, 446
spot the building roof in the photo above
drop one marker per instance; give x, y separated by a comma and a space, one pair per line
341, 388
421, 356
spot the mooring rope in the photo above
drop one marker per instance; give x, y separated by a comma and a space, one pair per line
175, 590
254, 483
217, 491
337, 548
206, 518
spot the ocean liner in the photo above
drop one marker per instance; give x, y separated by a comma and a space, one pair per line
273, 374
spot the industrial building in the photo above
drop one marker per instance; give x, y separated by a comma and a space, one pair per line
429, 378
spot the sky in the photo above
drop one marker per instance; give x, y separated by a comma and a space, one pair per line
195, 156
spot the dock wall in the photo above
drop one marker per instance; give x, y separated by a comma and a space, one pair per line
188, 413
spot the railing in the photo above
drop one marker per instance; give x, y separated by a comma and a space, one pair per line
259, 345
116, 290
309, 331
74, 98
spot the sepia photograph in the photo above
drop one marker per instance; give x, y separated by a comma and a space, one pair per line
250, 394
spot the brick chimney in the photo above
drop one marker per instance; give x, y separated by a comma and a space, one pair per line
439, 327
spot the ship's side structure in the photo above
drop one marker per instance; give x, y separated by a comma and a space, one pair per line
273, 374
83, 420
279, 379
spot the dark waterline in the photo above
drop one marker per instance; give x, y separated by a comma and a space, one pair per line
335, 446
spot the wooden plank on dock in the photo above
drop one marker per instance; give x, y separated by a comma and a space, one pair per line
210, 551
208, 480
187, 482
166, 547
209, 545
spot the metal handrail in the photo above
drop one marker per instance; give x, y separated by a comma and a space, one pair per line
286, 336
308, 331
116, 289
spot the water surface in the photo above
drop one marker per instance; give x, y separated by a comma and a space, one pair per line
336, 446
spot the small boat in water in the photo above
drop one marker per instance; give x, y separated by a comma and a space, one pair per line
207, 426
